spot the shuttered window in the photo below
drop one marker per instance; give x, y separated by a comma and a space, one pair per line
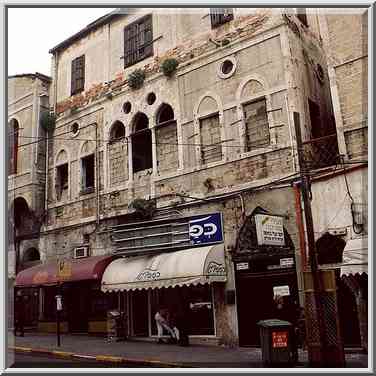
138, 41
220, 16
78, 75
257, 126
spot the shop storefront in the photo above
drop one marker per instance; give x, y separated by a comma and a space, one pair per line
265, 275
180, 280
78, 281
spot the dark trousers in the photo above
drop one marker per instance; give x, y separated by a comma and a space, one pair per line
19, 327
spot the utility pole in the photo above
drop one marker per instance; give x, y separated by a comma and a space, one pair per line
318, 357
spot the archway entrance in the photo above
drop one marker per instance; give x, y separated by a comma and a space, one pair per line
264, 275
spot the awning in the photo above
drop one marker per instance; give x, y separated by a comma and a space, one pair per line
71, 270
187, 267
355, 257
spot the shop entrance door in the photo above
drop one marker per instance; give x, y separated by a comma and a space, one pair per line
78, 308
255, 301
140, 313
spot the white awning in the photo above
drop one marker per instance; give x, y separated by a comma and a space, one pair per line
355, 257
192, 266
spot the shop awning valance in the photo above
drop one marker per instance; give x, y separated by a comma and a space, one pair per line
355, 257
192, 266
90, 268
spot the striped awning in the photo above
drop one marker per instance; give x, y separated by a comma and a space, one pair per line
192, 266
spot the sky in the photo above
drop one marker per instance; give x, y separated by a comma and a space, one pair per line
32, 32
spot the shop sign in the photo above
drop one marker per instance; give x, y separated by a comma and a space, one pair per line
286, 262
279, 339
40, 277
206, 229
269, 230
148, 275
64, 269
281, 291
242, 266
215, 269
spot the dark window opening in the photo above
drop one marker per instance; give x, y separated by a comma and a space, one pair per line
127, 107
117, 131
314, 114
78, 75
219, 16
151, 98
257, 125
13, 146
138, 41
88, 173
62, 181
302, 16
141, 144
31, 254
74, 129
227, 66
166, 113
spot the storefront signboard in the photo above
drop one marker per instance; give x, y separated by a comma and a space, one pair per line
206, 229
269, 230
281, 291
64, 269
288, 261
279, 339
242, 266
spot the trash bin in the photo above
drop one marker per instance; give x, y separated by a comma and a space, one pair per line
116, 326
278, 343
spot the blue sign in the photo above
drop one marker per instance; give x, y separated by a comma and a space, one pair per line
206, 229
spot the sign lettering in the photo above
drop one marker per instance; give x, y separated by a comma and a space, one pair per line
216, 269
148, 275
206, 229
279, 339
269, 230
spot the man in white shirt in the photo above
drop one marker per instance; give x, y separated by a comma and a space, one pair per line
162, 323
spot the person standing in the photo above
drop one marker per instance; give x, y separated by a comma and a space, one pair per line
162, 323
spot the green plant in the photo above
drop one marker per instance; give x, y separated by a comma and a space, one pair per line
169, 67
136, 79
47, 121
143, 208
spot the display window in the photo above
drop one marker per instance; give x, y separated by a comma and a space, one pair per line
196, 302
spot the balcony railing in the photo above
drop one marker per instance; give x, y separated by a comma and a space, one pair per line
320, 152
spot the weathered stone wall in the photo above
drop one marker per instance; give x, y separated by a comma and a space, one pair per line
118, 163
167, 148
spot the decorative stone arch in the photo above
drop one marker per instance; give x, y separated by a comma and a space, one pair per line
13, 132
329, 249
117, 154
22, 221
87, 147
141, 145
62, 158
208, 115
247, 235
31, 255
252, 89
165, 140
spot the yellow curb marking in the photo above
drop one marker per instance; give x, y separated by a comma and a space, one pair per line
109, 358
63, 354
16, 348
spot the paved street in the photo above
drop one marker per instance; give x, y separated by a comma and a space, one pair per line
136, 352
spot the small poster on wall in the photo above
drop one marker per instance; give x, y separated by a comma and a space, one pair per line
269, 230
281, 291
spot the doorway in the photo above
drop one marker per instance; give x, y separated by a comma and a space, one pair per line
140, 313
255, 297
77, 308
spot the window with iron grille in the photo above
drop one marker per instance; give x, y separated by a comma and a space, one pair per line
219, 16
78, 75
302, 16
138, 41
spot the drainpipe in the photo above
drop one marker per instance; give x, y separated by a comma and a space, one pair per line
301, 230
97, 171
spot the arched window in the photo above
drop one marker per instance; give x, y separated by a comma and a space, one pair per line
117, 131
13, 146
142, 158
32, 254
117, 155
165, 113
62, 176
166, 140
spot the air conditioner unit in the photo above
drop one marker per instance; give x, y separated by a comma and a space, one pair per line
81, 252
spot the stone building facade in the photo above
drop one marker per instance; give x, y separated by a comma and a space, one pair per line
216, 135
28, 99
340, 193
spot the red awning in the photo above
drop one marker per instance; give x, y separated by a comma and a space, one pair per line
71, 270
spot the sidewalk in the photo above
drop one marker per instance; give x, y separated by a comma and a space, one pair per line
151, 354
